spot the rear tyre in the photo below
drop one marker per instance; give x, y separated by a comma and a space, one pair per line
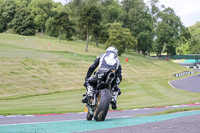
103, 105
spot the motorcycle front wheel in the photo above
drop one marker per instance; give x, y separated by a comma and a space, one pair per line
89, 116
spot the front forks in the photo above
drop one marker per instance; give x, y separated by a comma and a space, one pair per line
91, 105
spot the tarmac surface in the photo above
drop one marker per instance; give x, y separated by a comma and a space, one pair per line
191, 84
43, 118
186, 124
116, 122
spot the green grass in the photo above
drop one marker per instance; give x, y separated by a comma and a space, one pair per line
69, 101
52, 103
183, 109
41, 43
153, 94
34, 80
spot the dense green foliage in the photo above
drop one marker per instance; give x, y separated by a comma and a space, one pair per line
41, 10
168, 32
7, 13
120, 37
60, 24
89, 21
23, 22
156, 29
194, 44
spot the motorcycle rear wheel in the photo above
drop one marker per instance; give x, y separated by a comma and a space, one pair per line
103, 105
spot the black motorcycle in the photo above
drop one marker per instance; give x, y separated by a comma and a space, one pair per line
98, 105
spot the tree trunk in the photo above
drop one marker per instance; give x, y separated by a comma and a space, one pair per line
126, 18
87, 39
59, 35
136, 49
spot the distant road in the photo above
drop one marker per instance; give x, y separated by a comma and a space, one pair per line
191, 84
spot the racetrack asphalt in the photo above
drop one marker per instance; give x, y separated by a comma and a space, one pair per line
186, 124
26, 119
191, 84
76, 122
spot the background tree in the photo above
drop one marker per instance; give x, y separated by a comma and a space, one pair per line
194, 43
23, 3
120, 37
143, 30
140, 23
104, 35
23, 22
7, 13
75, 7
96, 34
111, 11
90, 19
145, 41
195, 28
168, 32
154, 10
131, 9
84, 19
183, 47
63, 25
51, 29
41, 10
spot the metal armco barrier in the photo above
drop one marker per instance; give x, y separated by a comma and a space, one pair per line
192, 66
183, 73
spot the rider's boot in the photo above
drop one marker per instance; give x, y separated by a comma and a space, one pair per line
88, 94
114, 100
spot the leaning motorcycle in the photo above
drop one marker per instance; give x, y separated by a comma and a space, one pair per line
98, 105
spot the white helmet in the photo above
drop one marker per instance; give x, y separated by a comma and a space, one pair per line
112, 49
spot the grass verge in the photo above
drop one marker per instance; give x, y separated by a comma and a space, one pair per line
183, 109
37, 81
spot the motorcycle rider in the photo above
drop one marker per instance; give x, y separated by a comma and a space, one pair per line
106, 62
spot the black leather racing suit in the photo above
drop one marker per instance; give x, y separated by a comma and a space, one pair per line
107, 61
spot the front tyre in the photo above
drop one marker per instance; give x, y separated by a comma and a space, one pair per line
89, 116
103, 105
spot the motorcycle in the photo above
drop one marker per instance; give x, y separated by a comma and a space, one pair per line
98, 105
